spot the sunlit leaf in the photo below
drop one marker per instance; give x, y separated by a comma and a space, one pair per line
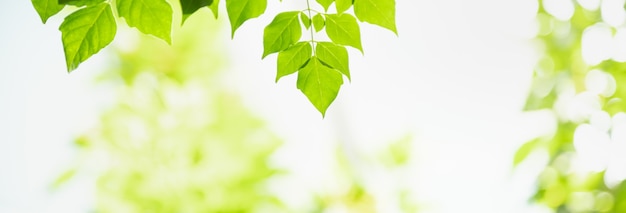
215, 8
319, 83
305, 20
85, 32
325, 3
343, 5
80, 3
150, 17
293, 58
335, 56
284, 31
46, 8
239, 11
318, 22
378, 12
343, 29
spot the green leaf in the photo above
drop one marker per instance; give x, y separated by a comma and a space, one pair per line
150, 17
215, 7
80, 3
46, 8
239, 11
334, 56
325, 3
525, 150
85, 32
343, 5
191, 6
378, 12
293, 58
318, 22
343, 29
305, 20
319, 83
284, 31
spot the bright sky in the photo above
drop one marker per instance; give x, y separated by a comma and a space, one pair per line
455, 78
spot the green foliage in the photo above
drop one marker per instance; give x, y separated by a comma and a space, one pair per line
87, 31
343, 29
283, 32
318, 22
93, 26
239, 11
325, 3
153, 17
80, 2
562, 73
343, 5
191, 6
333, 55
319, 83
175, 141
292, 59
47, 8
378, 12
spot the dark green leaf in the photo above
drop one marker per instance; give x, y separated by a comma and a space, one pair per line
343, 5
293, 58
343, 29
191, 6
325, 3
318, 22
46, 8
239, 11
319, 83
85, 32
305, 20
335, 56
378, 12
153, 17
80, 3
284, 31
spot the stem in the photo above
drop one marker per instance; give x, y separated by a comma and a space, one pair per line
308, 7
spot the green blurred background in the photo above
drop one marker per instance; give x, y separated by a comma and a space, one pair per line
481, 106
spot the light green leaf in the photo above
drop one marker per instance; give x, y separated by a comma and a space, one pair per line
46, 8
284, 31
293, 58
318, 22
305, 20
239, 11
343, 29
334, 56
215, 8
191, 6
378, 12
85, 32
80, 3
319, 83
343, 5
325, 3
150, 17
525, 150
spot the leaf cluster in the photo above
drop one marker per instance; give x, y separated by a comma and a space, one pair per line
321, 65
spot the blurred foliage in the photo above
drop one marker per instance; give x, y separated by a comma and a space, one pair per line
175, 140
585, 90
